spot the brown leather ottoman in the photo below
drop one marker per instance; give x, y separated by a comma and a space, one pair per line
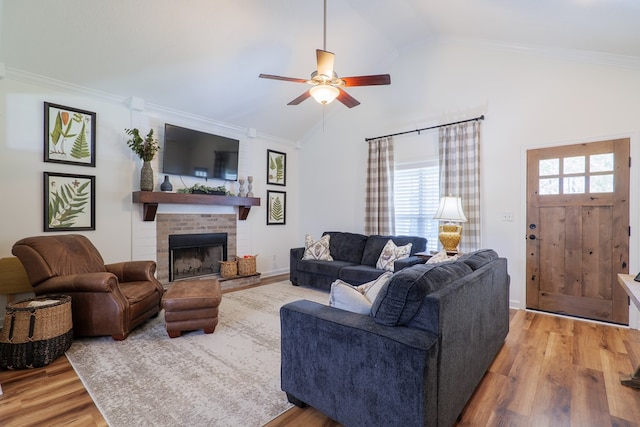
190, 305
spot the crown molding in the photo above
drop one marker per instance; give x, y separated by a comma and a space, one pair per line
147, 108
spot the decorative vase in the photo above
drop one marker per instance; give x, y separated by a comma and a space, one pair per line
146, 177
166, 185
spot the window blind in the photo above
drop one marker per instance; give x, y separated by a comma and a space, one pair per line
416, 198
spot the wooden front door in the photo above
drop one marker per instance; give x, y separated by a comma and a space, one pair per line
578, 229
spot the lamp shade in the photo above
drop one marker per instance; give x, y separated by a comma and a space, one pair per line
450, 209
324, 93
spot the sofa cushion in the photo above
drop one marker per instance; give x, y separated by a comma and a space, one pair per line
325, 268
400, 299
357, 299
358, 274
346, 246
375, 244
317, 249
478, 258
390, 253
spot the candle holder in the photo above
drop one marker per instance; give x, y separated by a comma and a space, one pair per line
250, 186
241, 192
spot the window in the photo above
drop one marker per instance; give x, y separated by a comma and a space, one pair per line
578, 175
416, 198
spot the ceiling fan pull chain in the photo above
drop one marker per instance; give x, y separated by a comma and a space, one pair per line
323, 110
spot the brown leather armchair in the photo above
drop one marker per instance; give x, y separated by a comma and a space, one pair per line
107, 299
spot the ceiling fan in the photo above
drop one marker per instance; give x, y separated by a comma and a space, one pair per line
325, 83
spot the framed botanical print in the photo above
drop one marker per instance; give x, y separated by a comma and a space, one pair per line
276, 168
276, 207
69, 135
69, 202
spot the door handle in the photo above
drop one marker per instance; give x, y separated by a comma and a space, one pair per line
532, 237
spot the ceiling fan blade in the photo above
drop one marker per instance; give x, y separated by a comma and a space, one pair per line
325, 63
301, 98
347, 99
377, 79
286, 79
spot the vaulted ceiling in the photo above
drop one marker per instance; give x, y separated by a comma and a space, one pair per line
203, 57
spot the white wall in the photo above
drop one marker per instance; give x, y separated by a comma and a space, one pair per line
529, 99
120, 233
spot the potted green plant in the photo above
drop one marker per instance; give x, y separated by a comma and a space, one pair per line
146, 148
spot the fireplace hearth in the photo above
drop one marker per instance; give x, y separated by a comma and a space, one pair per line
196, 255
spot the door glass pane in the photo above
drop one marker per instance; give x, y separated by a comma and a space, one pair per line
601, 184
549, 167
548, 186
601, 162
573, 185
574, 164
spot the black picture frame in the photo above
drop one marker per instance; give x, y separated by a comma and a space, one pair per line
276, 168
69, 135
276, 207
69, 202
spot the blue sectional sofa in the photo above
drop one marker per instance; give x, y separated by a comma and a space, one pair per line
354, 259
433, 331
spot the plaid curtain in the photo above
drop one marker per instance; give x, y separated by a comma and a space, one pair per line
379, 213
460, 175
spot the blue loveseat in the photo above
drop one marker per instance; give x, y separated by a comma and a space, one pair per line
433, 331
354, 259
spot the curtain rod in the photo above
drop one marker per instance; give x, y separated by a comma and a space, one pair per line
431, 127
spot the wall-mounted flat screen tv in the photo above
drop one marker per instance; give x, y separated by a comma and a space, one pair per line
194, 153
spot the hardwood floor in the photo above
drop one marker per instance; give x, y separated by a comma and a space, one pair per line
49, 396
552, 371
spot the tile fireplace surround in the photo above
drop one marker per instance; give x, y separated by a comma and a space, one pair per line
168, 224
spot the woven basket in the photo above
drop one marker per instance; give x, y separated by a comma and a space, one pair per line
35, 332
228, 268
247, 266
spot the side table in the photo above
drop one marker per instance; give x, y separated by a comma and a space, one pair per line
633, 290
424, 255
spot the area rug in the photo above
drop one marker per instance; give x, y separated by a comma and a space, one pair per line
228, 378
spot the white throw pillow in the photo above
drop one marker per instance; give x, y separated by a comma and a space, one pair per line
347, 297
357, 299
318, 250
441, 257
390, 253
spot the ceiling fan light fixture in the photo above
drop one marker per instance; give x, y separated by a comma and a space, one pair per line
326, 85
324, 93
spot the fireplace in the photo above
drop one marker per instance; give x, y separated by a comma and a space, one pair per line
196, 255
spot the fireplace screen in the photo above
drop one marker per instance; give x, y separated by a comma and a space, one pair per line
194, 255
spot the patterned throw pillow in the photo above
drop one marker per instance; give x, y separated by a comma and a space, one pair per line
372, 288
318, 250
390, 253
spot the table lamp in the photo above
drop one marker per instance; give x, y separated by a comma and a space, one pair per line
450, 210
